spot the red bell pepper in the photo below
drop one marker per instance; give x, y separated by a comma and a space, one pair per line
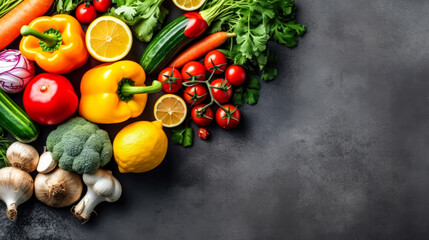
50, 99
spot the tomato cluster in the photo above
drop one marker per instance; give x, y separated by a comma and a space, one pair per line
87, 12
200, 85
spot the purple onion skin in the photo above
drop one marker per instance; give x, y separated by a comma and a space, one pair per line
15, 71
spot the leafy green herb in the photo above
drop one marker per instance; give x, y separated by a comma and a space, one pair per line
255, 22
247, 93
143, 16
65, 6
183, 136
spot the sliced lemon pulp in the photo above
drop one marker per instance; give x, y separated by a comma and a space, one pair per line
108, 39
170, 110
189, 5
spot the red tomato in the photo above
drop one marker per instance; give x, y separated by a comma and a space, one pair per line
193, 69
221, 89
102, 5
171, 80
236, 75
195, 94
228, 119
202, 118
50, 99
86, 14
215, 60
203, 133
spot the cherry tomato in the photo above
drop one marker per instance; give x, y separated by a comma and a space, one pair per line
228, 119
236, 75
193, 69
86, 14
203, 133
202, 117
222, 90
102, 5
215, 60
195, 94
171, 80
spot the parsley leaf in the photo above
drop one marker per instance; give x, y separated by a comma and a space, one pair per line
65, 6
188, 137
177, 136
247, 93
128, 12
182, 136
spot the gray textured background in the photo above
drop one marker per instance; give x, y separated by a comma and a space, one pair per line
335, 149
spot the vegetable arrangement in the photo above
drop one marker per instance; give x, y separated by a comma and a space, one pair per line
205, 81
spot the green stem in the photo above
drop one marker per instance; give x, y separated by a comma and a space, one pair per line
50, 40
9, 8
192, 83
128, 90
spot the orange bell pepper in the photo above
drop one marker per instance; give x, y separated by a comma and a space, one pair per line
57, 43
114, 92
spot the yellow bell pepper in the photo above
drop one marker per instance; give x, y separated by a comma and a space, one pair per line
57, 43
114, 92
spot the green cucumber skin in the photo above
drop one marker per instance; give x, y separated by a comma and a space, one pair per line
15, 121
165, 46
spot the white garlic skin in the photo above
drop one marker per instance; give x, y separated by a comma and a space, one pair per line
58, 188
16, 187
22, 156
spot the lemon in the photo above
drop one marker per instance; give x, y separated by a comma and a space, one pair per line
189, 5
170, 110
108, 39
140, 147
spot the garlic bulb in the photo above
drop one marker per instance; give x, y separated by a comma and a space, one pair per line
16, 187
58, 188
22, 156
46, 162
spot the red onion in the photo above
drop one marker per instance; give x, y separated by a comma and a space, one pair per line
15, 71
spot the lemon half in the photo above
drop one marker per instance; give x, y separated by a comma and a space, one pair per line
189, 5
170, 110
108, 39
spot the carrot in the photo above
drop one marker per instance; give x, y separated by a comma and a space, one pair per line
23, 14
201, 47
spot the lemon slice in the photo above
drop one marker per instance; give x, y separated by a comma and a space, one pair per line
108, 39
189, 5
170, 110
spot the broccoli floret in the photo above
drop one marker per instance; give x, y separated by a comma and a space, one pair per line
80, 146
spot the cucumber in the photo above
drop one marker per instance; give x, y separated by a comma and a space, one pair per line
15, 121
167, 43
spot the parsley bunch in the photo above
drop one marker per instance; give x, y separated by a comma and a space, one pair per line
143, 16
255, 22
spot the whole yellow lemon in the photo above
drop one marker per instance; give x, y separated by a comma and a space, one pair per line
140, 147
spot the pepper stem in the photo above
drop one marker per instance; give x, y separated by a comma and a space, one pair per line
50, 40
126, 89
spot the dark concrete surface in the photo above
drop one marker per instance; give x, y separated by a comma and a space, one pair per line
337, 147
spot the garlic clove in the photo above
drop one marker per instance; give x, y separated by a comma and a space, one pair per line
22, 156
46, 163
